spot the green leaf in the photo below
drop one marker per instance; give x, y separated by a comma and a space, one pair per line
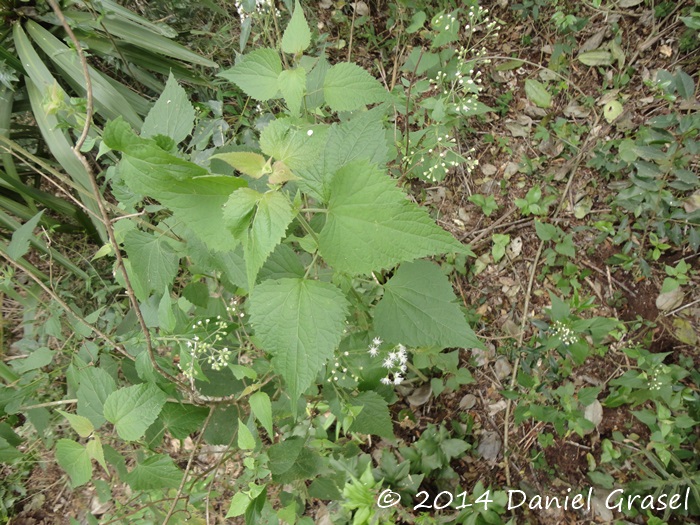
292, 84
596, 58
361, 137
19, 245
172, 115
300, 323
283, 262
348, 87
166, 317
256, 74
75, 460
147, 156
259, 221
155, 472
546, 232
612, 110
537, 93
239, 504
39, 358
252, 164
419, 309
223, 425
133, 409
262, 410
153, 260
95, 451
195, 200
95, 387
297, 36
371, 225
374, 418
290, 460
80, 424
291, 144
246, 441
182, 420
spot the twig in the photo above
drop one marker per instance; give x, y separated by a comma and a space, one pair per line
496, 224
408, 98
100, 202
49, 404
672, 312
352, 30
188, 467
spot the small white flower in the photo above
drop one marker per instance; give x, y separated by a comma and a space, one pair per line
398, 379
376, 341
386, 381
310, 132
388, 363
373, 351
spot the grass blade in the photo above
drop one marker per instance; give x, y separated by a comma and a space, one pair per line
109, 103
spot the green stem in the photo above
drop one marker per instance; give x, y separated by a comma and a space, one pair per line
304, 224
313, 261
314, 210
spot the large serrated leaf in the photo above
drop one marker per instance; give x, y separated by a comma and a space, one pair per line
258, 221
256, 74
297, 36
371, 225
300, 322
75, 460
195, 200
247, 162
153, 260
133, 409
155, 472
347, 87
292, 84
172, 115
295, 147
95, 387
374, 417
419, 309
361, 137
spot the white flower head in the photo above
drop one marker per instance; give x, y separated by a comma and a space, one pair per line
386, 381
376, 341
310, 132
373, 351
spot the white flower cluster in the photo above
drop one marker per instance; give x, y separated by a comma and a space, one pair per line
206, 348
261, 6
479, 15
395, 362
563, 332
340, 371
654, 382
233, 309
445, 21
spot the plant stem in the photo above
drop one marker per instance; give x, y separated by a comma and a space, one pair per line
100, 201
